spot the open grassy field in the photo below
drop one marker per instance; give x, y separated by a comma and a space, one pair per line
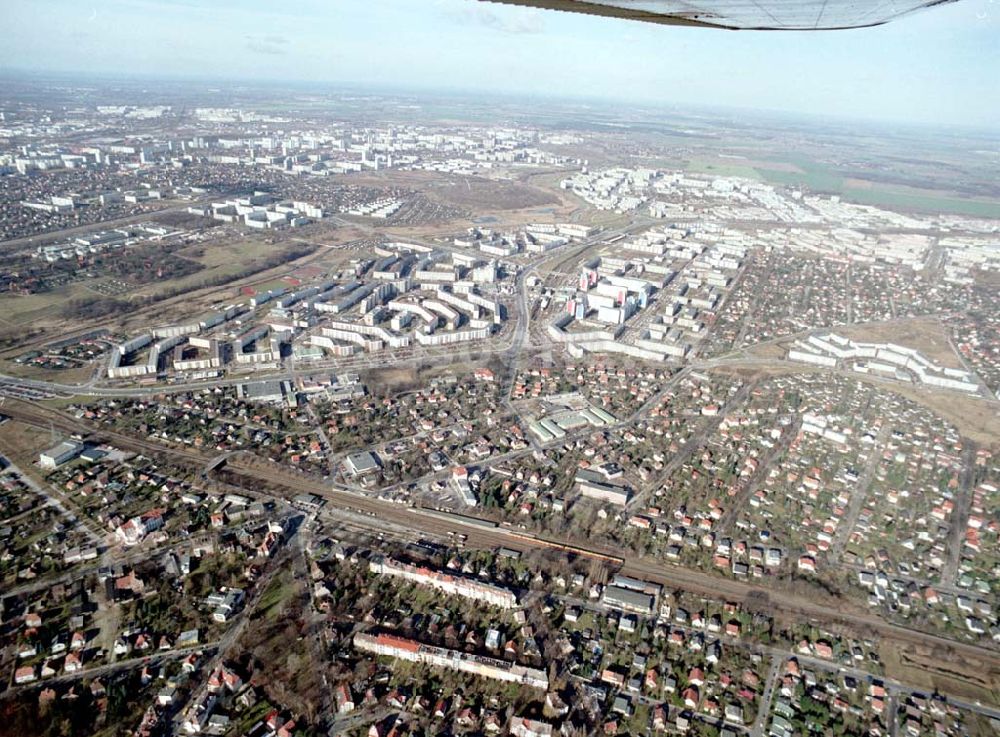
535, 198
926, 669
77, 375
607, 219
487, 195
801, 171
218, 254
719, 167
202, 298
912, 199
33, 321
927, 335
814, 175
23, 442
220, 260
818, 177
266, 286
18, 311
976, 419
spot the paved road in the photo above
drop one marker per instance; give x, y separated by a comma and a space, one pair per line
152, 658
895, 687
778, 656
443, 355
745, 488
238, 624
858, 497
56, 500
286, 484
125, 556
960, 515
14, 386
891, 718
707, 427
764, 710
63, 234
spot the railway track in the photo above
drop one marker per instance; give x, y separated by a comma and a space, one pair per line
286, 485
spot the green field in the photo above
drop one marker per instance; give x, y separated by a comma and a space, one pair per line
269, 285
819, 178
221, 261
220, 254
815, 176
21, 310
723, 168
932, 203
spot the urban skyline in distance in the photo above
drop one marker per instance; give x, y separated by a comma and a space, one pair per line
520, 374
931, 67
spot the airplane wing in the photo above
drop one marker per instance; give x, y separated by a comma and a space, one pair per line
772, 15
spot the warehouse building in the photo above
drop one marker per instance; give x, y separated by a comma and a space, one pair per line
60, 454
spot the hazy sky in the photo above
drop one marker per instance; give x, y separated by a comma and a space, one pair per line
939, 65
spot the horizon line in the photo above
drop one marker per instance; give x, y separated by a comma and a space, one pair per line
833, 120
